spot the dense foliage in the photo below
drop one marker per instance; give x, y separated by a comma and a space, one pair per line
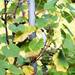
19, 51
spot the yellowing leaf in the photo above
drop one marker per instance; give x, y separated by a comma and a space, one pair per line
32, 54
28, 70
59, 67
19, 37
11, 60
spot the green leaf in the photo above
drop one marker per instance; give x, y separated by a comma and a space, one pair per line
2, 11
2, 56
50, 20
68, 29
60, 6
25, 46
62, 60
68, 43
53, 71
50, 5
3, 38
1, 0
62, 73
40, 4
21, 28
54, 25
20, 20
36, 44
45, 20
67, 16
71, 70
14, 70
14, 47
1, 24
20, 60
69, 49
39, 71
72, 8
4, 64
2, 71
40, 23
12, 7
12, 51
15, 29
63, 33
24, 6
53, 18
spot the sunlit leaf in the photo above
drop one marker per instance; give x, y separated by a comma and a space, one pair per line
62, 60
53, 71
63, 33
36, 44
50, 5
72, 8
1, 24
28, 70
68, 43
12, 7
39, 71
68, 29
25, 47
67, 16
49, 20
19, 37
69, 49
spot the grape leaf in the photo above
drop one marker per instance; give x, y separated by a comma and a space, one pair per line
62, 60
67, 16
15, 70
36, 44
19, 37
50, 5
40, 23
2, 71
68, 43
4, 64
72, 8
12, 51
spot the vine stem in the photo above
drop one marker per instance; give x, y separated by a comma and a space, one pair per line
31, 15
31, 12
5, 21
19, 4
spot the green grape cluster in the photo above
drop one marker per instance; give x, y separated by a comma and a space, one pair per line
50, 34
47, 56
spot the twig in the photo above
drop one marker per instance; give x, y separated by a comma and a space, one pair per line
19, 4
5, 21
